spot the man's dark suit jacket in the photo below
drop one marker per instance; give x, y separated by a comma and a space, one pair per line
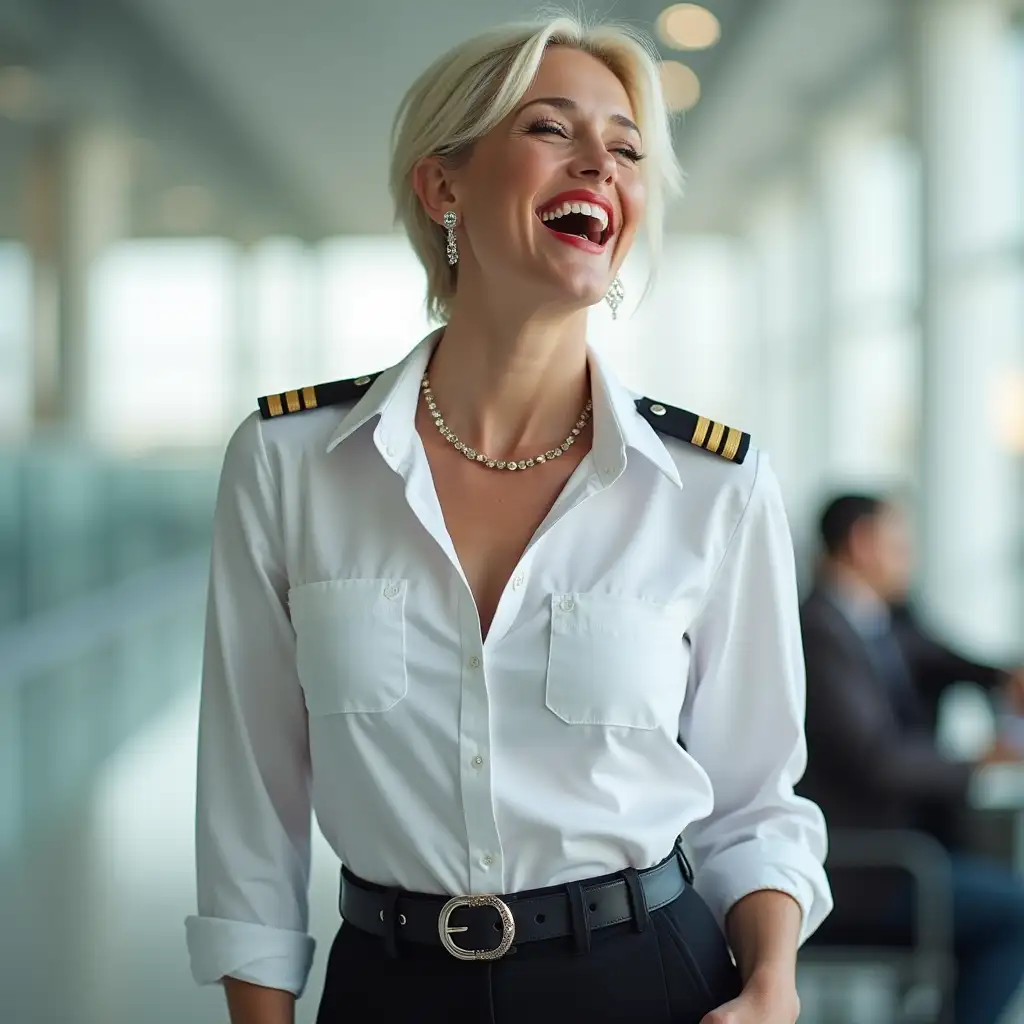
868, 765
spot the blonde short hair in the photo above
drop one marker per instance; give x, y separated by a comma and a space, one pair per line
472, 88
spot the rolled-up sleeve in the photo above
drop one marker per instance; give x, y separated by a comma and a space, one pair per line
743, 722
253, 790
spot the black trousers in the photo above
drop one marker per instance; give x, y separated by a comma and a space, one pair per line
673, 972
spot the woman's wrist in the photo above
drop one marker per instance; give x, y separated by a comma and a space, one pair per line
763, 930
772, 993
773, 978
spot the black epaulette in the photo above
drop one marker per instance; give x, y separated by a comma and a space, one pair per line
717, 438
315, 397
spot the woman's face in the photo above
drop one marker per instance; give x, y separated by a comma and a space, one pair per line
549, 200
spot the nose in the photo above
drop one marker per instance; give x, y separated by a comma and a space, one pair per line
593, 162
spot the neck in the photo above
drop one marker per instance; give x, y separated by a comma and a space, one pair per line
852, 584
507, 384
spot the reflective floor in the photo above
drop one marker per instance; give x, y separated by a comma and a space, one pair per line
92, 915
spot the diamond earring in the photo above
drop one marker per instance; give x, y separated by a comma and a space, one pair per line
453, 249
614, 296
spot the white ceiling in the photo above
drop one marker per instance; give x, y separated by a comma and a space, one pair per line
311, 86
315, 83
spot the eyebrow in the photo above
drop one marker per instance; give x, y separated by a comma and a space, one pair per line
564, 103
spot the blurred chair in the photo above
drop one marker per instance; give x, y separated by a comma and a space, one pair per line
867, 868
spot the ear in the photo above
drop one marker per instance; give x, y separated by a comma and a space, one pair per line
432, 183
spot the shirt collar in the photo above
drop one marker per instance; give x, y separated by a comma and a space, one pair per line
617, 425
392, 397
862, 608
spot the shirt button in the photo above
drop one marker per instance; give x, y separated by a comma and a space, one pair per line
568, 604
487, 860
391, 591
474, 662
478, 761
518, 582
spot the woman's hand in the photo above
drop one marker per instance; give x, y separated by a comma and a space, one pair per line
764, 1000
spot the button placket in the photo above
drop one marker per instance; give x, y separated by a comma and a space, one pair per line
474, 741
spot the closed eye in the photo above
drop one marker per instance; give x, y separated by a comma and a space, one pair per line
548, 128
629, 153
554, 128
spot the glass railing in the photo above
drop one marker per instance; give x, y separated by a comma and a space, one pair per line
102, 574
73, 523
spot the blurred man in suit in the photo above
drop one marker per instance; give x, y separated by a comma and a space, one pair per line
874, 679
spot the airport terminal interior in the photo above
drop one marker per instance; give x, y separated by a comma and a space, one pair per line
194, 212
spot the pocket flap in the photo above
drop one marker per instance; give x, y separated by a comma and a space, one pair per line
350, 644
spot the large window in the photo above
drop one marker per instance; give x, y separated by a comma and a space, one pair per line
870, 182
279, 322
374, 307
15, 333
685, 340
161, 338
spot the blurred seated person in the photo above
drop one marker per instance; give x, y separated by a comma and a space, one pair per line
874, 679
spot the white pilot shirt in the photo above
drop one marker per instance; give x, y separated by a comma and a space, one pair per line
344, 669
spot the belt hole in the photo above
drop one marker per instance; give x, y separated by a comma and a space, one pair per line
382, 915
401, 918
593, 907
540, 919
498, 926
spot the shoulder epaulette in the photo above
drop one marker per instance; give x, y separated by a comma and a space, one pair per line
717, 438
315, 397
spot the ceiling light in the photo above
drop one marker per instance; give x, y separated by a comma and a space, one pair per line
680, 85
688, 27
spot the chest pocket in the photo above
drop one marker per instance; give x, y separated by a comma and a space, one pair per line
615, 662
350, 644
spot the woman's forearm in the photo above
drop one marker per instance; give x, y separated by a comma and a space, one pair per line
764, 931
253, 1004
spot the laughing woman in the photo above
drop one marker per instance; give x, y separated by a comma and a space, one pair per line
507, 627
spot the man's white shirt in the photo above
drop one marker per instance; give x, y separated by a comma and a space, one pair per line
344, 671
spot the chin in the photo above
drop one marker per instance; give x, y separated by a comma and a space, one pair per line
580, 290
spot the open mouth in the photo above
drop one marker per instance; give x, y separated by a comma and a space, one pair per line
582, 220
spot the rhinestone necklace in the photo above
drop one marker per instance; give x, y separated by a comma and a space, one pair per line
449, 435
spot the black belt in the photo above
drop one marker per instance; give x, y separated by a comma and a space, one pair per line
487, 926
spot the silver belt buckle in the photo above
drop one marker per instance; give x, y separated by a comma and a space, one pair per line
445, 930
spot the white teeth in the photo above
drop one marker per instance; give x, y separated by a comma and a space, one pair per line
588, 209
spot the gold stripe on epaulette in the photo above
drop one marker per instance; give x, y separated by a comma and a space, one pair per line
274, 405
309, 398
717, 430
292, 398
732, 444
700, 432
